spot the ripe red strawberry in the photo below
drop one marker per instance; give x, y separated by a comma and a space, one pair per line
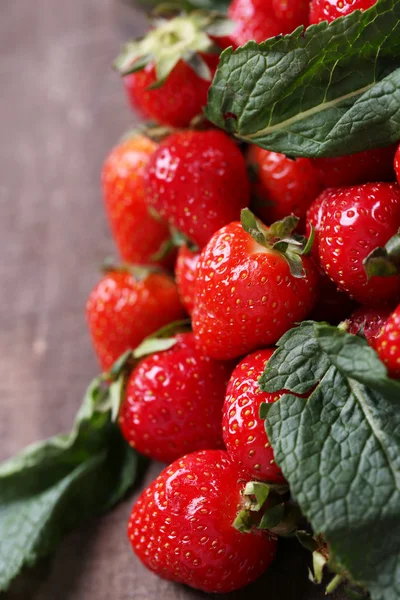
168, 72
185, 273
329, 10
282, 186
363, 167
247, 295
173, 402
138, 234
261, 19
332, 305
181, 526
397, 163
356, 221
368, 322
123, 309
244, 432
388, 343
197, 181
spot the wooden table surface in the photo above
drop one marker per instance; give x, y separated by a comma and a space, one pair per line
61, 110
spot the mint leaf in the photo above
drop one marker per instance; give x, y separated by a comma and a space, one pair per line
331, 90
339, 449
52, 486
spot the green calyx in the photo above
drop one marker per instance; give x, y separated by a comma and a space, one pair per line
184, 37
264, 507
280, 237
385, 261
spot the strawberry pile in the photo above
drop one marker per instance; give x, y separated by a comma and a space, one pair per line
247, 243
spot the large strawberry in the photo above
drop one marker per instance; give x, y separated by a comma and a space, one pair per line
168, 72
261, 19
125, 307
355, 222
281, 186
138, 234
185, 273
173, 401
197, 181
244, 432
329, 10
253, 284
388, 343
363, 167
181, 526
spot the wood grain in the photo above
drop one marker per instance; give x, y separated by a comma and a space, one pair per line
61, 109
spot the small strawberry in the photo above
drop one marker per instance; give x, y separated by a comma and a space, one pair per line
388, 344
244, 432
181, 526
173, 402
356, 221
197, 181
363, 167
367, 322
252, 285
125, 307
259, 20
137, 233
397, 164
168, 72
329, 10
282, 186
185, 273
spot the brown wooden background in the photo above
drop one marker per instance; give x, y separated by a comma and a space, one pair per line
61, 110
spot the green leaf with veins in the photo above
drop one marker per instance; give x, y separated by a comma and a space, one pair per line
331, 90
339, 449
54, 485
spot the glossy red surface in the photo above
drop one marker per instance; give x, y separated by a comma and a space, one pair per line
368, 322
185, 273
356, 220
397, 164
121, 311
181, 526
329, 10
246, 297
282, 186
173, 402
259, 20
181, 97
197, 181
137, 234
388, 344
244, 432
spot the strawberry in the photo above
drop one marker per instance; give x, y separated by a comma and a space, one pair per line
181, 526
282, 186
261, 19
125, 307
387, 343
356, 221
368, 322
197, 181
332, 305
244, 432
363, 167
329, 10
397, 163
173, 401
251, 287
137, 233
168, 72
185, 273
